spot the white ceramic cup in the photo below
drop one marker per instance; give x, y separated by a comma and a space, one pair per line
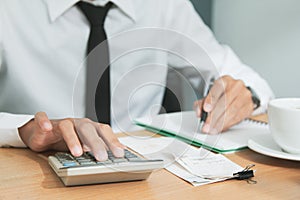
284, 123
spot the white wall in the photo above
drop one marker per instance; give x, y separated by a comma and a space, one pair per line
266, 35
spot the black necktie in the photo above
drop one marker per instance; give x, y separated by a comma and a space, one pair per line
98, 76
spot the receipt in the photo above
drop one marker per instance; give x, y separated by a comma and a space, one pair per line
214, 166
197, 166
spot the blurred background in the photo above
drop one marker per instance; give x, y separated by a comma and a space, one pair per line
265, 34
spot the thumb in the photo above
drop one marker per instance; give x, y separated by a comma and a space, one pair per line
198, 107
43, 121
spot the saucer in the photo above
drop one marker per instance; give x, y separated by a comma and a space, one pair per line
265, 144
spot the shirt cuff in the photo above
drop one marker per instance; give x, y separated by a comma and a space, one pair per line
9, 124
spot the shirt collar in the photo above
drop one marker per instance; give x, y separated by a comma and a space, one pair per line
57, 7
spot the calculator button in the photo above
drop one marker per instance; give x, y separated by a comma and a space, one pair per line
130, 156
84, 160
64, 157
104, 162
134, 159
69, 164
119, 160
87, 163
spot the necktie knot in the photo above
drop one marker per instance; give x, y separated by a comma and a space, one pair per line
94, 14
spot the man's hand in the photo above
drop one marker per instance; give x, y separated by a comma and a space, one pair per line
77, 135
227, 103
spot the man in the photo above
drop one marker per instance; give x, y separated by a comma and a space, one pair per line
44, 43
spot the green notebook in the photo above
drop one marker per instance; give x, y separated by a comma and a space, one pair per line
186, 127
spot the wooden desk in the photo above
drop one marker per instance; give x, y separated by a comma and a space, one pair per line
27, 175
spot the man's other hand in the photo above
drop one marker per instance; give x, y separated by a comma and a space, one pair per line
227, 103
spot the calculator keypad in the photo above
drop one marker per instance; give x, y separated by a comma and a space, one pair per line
87, 159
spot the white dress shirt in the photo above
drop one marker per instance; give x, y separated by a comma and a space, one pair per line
43, 47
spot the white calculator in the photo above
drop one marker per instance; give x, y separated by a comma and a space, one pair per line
87, 170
